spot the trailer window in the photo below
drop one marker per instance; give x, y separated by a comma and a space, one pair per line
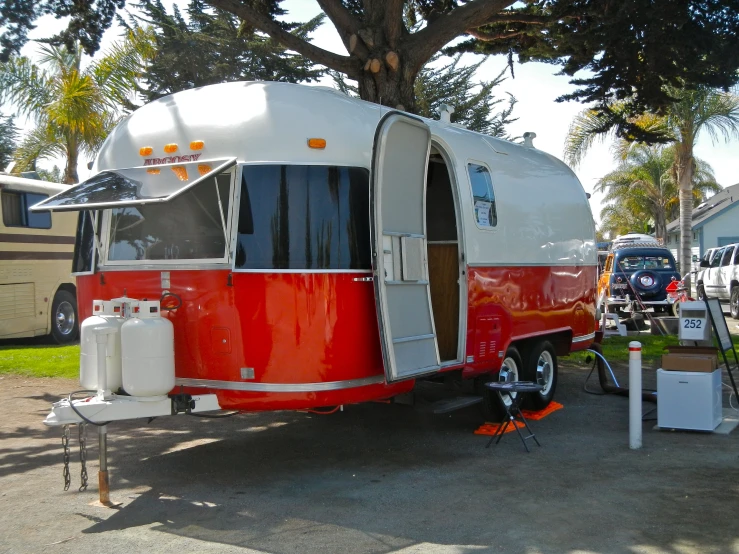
15, 206
483, 195
189, 227
84, 244
303, 217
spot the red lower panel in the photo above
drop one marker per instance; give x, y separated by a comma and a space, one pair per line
286, 328
281, 329
512, 303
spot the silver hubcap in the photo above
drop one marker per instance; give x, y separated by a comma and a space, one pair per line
508, 374
544, 371
65, 318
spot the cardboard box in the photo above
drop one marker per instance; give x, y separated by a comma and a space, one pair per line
690, 358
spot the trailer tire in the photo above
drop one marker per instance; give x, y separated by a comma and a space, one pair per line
492, 409
64, 323
541, 367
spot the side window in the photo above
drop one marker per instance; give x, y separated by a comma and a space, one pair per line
716, 260
726, 259
15, 207
483, 195
736, 255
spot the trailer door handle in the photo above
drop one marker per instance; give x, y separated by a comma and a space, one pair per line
363, 279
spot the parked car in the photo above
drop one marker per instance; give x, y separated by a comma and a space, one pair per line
636, 276
719, 276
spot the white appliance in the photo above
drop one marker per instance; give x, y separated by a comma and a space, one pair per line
689, 400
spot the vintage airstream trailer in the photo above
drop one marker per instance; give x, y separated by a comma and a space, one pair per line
316, 250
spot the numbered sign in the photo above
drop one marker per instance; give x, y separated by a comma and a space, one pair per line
694, 322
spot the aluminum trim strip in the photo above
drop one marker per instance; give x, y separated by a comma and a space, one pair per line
302, 271
532, 264
281, 387
414, 338
583, 338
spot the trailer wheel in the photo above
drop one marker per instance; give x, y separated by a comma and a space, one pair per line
541, 367
64, 326
492, 409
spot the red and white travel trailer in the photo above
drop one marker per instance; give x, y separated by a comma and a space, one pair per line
318, 250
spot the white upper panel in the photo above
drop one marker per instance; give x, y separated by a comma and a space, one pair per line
543, 214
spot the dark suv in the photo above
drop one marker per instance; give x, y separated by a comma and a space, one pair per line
635, 277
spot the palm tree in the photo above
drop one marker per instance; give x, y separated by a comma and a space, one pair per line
693, 112
643, 188
74, 109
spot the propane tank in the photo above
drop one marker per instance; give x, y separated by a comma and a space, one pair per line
147, 340
106, 314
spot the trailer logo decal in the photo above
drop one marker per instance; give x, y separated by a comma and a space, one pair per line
172, 159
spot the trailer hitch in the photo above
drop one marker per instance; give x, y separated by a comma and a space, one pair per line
182, 403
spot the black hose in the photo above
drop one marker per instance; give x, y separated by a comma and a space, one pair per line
71, 405
597, 349
165, 295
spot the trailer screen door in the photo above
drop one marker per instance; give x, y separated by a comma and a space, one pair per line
407, 334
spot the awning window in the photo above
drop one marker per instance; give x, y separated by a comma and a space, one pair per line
137, 185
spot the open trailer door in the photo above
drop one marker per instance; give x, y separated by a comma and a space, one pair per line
399, 161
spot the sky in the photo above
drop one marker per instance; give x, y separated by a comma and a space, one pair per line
535, 86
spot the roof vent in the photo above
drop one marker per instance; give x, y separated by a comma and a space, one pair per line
528, 139
445, 113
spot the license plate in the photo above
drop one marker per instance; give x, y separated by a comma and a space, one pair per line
619, 286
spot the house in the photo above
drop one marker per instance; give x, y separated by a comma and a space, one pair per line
715, 223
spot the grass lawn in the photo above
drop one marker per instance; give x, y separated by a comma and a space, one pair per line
616, 349
44, 360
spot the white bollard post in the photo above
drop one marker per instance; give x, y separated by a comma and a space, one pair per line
635, 395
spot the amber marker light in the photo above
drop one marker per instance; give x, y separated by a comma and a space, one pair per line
197, 145
153, 171
180, 171
204, 169
316, 143
145, 151
170, 148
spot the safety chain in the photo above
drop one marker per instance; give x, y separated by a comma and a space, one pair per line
65, 446
82, 427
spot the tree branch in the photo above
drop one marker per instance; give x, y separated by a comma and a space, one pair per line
394, 26
422, 45
342, 19
490, 37
346, 25
264, 23
514, 17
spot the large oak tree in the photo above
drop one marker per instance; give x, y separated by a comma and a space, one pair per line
630, 48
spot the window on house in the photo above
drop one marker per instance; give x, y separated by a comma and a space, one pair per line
483, 196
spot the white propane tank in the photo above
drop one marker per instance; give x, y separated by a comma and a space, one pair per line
148, 351
106, 314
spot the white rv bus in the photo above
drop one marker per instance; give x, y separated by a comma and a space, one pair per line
37, 290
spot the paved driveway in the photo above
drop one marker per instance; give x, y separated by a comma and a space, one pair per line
373, 478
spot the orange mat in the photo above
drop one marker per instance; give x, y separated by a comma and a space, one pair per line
491, 428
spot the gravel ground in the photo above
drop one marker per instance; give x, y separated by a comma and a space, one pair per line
374, 478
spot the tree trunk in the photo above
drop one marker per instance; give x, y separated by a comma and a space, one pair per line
70, 171
685, 169
660, 225
384, 85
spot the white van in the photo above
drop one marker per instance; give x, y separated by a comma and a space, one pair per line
37, 291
